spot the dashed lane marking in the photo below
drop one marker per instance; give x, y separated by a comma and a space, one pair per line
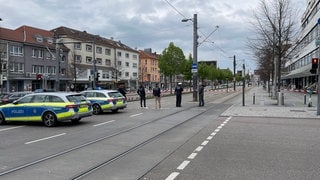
185, 163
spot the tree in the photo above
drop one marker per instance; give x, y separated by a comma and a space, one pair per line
187, 74
274, 26
171, 62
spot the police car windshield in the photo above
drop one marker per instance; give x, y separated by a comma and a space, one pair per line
76, 98
115, 94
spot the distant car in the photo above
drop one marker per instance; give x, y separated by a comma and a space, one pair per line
12, 96
48, 108
105, 100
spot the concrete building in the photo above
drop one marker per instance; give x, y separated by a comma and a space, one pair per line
297, 73
149, 72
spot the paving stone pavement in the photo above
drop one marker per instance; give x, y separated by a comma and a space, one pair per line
260, 103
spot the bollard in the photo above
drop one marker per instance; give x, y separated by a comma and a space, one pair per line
305, 99
254, 98
280, 98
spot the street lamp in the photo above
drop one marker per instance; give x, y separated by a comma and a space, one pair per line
195, 55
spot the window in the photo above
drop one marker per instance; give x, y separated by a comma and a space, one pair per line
40, 53
119, 63
99, 61
16, 51
77, 46
135, 74
127, 74
135, 57
127, 55
89, 60
37, 69
108, 62
134, 65
39, 39
127, 64
50, 41
34, 53
119, 54
17, 67
77, 58
108, 51
99, 50
89, 48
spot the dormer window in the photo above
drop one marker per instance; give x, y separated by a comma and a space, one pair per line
39, 39
50, 41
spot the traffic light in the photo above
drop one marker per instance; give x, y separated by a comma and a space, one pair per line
97, 75
39, 76
314, 66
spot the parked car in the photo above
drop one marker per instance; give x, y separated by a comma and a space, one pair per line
49, 108
105, 100
12, 96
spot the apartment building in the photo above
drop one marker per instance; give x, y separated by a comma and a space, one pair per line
149, 69
91, 55
29, 60
297, 73
64, 59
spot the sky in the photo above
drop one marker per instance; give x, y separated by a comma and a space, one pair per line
223, 25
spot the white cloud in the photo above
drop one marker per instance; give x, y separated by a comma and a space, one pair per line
146, 23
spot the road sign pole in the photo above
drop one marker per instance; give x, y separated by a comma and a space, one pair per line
318, 82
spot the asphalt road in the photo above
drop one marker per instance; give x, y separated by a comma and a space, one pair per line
190, 142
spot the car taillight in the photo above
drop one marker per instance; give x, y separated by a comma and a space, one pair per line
110, 100
70, 106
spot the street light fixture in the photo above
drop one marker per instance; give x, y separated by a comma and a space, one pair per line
195, 55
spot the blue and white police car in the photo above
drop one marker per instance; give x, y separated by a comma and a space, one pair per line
105, 100
49, 108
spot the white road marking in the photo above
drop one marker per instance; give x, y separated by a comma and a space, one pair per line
204, 143
214, 133
172, 176
209, 137
42, 139
199, 148
5, 129
103, 123
217, 130
183, 165
192, 155
136, 115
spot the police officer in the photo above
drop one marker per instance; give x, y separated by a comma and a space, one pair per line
178, 92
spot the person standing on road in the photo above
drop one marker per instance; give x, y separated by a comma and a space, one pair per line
122, 90
142, 93
157, 96
201, 94
178, 92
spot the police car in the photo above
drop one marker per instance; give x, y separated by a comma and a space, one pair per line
105, 100
49, 108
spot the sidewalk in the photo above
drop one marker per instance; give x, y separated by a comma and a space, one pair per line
265, 106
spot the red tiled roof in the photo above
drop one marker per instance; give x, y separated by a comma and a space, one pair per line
144, 55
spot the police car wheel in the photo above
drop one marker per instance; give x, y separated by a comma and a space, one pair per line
96, 109
2, 121
49, 119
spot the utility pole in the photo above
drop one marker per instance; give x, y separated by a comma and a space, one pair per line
195, 57
58, 57
234, 72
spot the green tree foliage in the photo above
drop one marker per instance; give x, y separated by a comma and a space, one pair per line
171, 62
187, 68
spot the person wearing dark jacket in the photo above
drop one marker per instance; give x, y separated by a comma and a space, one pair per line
122, 90
178, 92
201, 94
142, 93
157, 96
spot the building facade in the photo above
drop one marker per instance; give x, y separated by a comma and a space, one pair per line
297, 73
64, 59
29, 60
149, 72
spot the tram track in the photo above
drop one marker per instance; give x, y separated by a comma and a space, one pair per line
92, 169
